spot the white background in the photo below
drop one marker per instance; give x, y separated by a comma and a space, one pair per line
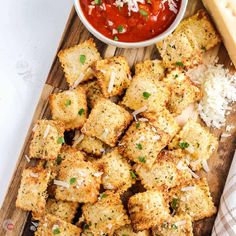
30, 31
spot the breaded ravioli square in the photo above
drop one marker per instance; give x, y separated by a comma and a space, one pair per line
107, 121
179, 49
148, 209
80, 181
152, 68
89, 144
128, 230
48, 137
202, 29
76, 62
93, 92
32, 192
147, 94
106, 215
183, 91
116, 172
51, 225
143, 142
197, 142
193, 198
70, 107
179, 225
62, 209
165, 121
113, 75
164, 172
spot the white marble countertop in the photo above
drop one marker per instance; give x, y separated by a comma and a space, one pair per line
30, 34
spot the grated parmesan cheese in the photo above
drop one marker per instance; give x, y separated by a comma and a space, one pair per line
27, 158
76, 83
179, 223
61, 183
188, 188
205, 166
140, 110
111, 82
46, 132
219, 91
78, 139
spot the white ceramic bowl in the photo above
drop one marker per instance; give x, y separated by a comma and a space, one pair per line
145, 43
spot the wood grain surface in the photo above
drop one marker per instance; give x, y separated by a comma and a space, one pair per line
75, 33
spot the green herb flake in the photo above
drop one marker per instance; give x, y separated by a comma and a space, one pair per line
81, 111
132, 174
82, 59
146, 95
103, 195
139, 146
174, 226
137, 125
142, 159
179, 63
203, 48
56, 231
60, 140
97, 2
125, 235
67, 102
120, 28
149, 1
116, 38
176, 75
72, 180
175, 203
183, 145
58, 160
143, 12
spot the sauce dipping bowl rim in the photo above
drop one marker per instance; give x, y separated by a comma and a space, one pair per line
140, 44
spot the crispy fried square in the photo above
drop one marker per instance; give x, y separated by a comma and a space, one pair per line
183, 91
113, 75
81, 181
32, 192
146, 92
117, 172
194, 199
93, 92
127, 230
164, 121
61, 209
179, 49
197, 142
147, 209
106, 215
51, 225
70, 107
202, 29
143, 142
48, 136
89, 144
164, 172
179, 225
76, 62
107, 121
152, 68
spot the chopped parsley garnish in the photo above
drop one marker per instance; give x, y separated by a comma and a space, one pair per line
203, 48
137, 125
143, 12
86, 226
116, 38
58, 160
56, 231
132, 174
67, 102
60, 140
198, 145
165, 225
120, 28
175, 203
81, 111
146, 95
103, 195
174, 226
139, 146
125, 235
82, 59
97, 2
72, 180
142, 159
179, 63
176, 75
183, 145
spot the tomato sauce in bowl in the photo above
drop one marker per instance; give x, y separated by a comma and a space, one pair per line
130, 20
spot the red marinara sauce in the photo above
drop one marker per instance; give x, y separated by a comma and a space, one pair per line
130, 20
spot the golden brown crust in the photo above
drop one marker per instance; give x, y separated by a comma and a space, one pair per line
128, 230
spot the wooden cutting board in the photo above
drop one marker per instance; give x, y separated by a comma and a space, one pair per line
75, 33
